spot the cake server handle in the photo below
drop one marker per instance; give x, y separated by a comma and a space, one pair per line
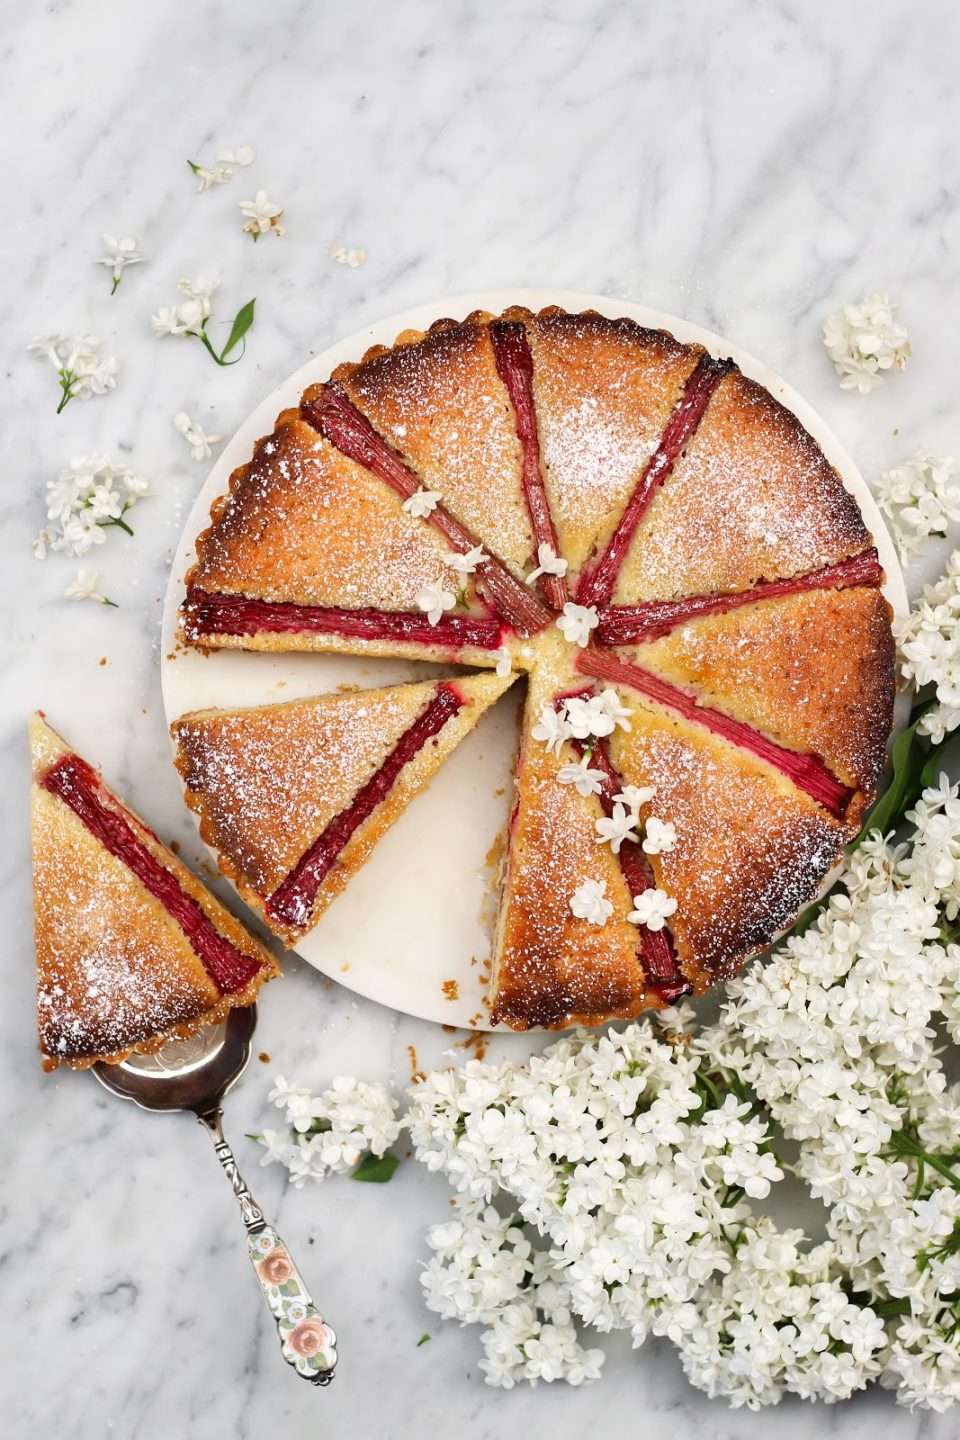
307, 1342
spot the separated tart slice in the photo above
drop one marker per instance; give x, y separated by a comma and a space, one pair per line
294, 797
131, 949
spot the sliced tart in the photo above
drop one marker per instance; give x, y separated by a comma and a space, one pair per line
131, 949
294, 797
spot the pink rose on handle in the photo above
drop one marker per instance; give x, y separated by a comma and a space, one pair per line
275, 1268
308, 1338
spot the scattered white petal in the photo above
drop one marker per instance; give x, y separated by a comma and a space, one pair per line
434, 599
342, 256
201, 444
548, 563
504, 662
584, 780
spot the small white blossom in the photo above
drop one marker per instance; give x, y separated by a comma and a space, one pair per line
548, 563
864, 341
660, 836
43, 541
653, 909
584, 780
616, 828
464, 563
589, 902
504, 662
262, 215
201, 444
342, 256
576, 623
422, 503
120, 254
634, 796
243, 155
434, 599
552, 728
84, 587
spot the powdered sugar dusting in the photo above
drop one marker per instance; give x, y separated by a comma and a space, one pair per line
113, 969
752, 498
442, 405
307, 525
750, 848
268, 781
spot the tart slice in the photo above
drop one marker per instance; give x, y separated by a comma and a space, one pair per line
750, 847
131, 949
813, 671
751, 497
294, 797
552, 967
312, 551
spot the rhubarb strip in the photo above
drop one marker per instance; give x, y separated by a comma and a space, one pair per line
808, 772
339, 421
511, 350
225, 614
622, 624
293, 901
597, 582
76, 783
660, 963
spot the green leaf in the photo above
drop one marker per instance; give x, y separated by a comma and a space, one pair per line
257, 1138
423, 1340
241, 324
909, 758
193, 167
376, 1171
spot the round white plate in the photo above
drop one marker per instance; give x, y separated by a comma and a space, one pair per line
418, 915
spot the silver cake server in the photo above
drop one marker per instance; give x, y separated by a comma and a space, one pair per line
195, 1075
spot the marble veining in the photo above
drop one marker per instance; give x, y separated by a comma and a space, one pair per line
750, 167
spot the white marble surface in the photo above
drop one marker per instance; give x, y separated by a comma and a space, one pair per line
747, 166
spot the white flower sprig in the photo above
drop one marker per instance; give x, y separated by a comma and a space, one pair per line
332, 1131
262, 216
421, 503
191, 317
547, 564
921, 497
120, 254
201, 444
222, 172
81, 369
84, 587
865, 341
88, 497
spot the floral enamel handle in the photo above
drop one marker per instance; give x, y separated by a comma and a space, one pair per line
306, 1341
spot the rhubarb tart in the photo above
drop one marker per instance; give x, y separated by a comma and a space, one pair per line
293, 797
131, 949
657, 543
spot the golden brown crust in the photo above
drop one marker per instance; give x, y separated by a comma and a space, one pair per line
815, 671
266, 781
750, 849
603, 390
753, 497
552, 969
439, 402
115, 973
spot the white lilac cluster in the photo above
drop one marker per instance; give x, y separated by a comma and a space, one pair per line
88, 497
929, 644
921, 497
327, 1134
865, 341
631, 1162
81, 369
